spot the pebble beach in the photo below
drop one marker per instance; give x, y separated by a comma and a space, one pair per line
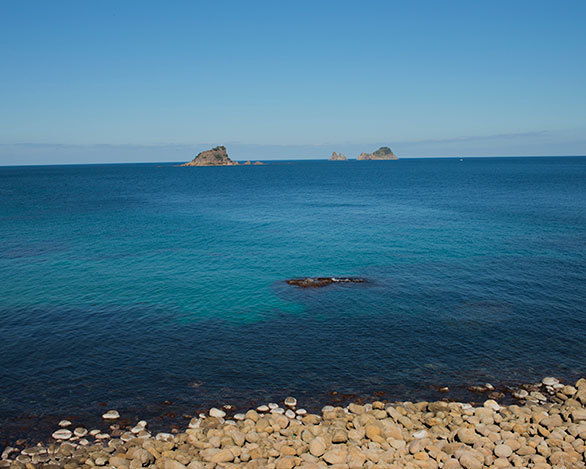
545, 428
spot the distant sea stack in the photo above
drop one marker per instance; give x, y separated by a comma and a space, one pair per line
383, 153
336, 157
215, 157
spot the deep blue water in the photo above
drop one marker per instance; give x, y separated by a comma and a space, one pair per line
134, 284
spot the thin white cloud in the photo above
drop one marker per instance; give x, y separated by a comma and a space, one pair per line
534, 143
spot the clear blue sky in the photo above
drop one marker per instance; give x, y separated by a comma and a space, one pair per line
100, 81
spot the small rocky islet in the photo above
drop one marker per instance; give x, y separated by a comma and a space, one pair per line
383, 153
545, 429
338, 157
217, 156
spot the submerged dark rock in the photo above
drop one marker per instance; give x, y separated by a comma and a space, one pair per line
316, 282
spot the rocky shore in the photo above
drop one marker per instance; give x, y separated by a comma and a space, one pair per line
546, 428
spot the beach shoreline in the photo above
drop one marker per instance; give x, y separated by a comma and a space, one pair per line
545, 428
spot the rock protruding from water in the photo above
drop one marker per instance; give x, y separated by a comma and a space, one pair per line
317, 282
383, 153
338, 157
215, 157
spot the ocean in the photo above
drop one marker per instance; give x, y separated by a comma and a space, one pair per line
160, 290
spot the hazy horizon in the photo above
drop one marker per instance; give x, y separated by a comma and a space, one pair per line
49, 154
275, 159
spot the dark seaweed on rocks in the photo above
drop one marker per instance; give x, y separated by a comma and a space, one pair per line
317, 282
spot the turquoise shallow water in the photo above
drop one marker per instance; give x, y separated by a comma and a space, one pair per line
134, 284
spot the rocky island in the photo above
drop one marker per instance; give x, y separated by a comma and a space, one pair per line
383, 153
215, 157
338, 157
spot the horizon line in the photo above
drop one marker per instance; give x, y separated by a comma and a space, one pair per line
286, 160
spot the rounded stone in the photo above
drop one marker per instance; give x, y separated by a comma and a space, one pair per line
301, 411
289, 413
111, 415
492, 404
80, 432
62, 434
337, 455
278, 410
272, 405
520, 394
467, 436
224, 455
64, 423
263, 408
137, 429
468, 461
502, 451
550, 381
290, 401
214, 412
317, 446
372, 431
340, 436
452, 464
34, 451
356, 409
285, 462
